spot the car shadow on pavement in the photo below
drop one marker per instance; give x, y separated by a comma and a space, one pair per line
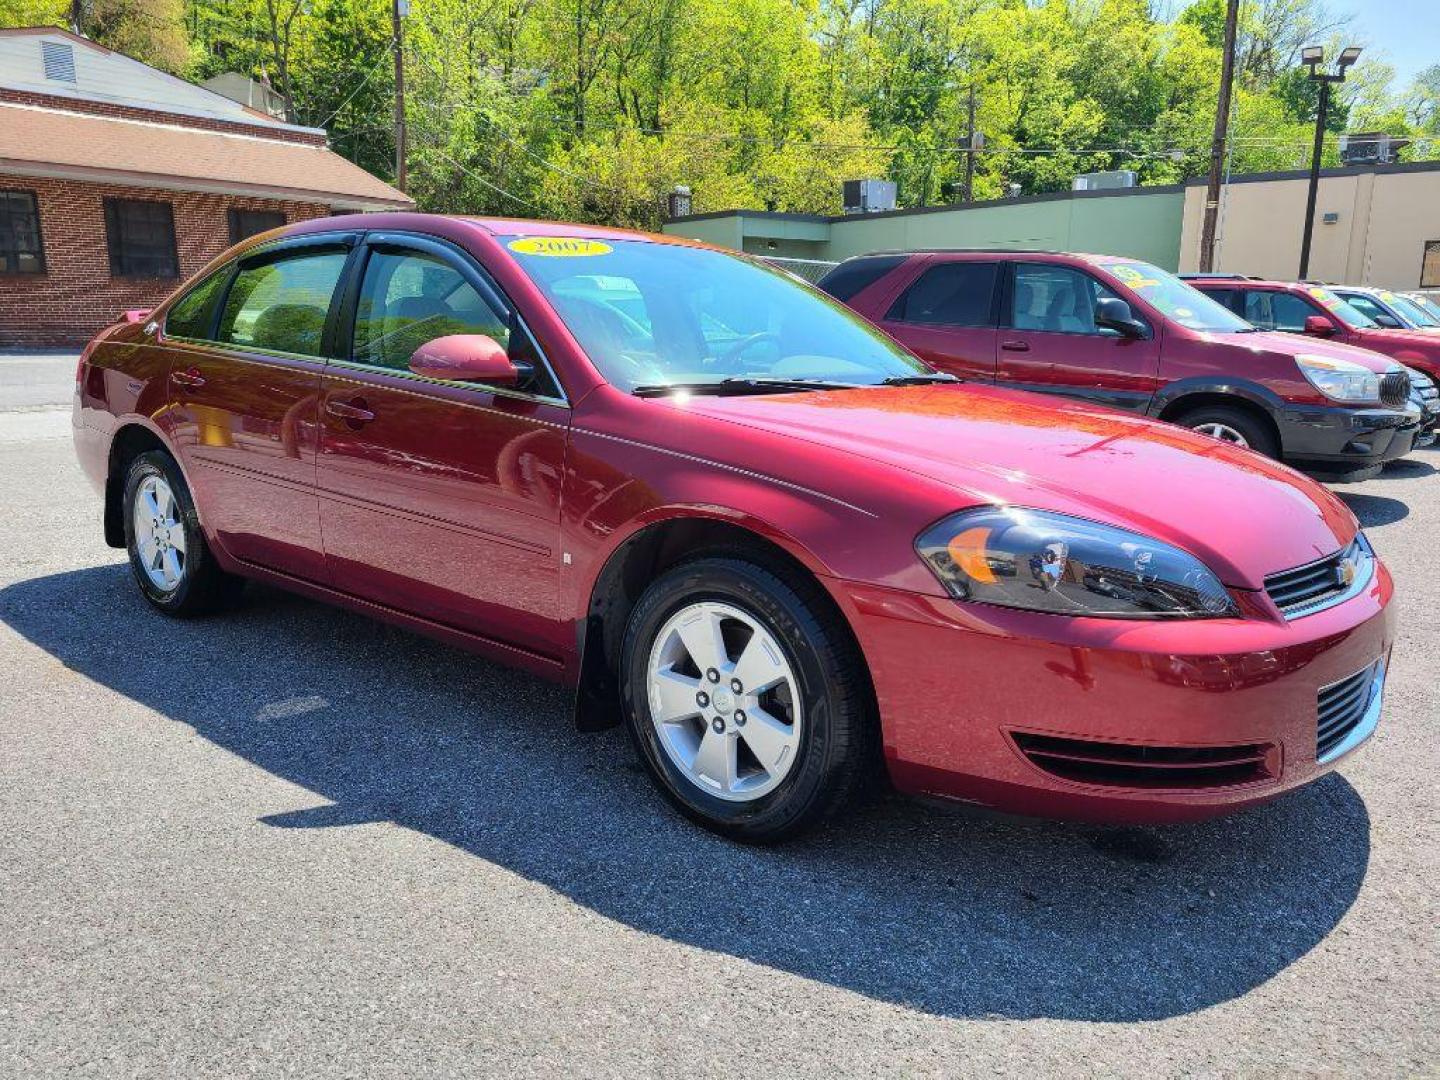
951, 911
1374, 510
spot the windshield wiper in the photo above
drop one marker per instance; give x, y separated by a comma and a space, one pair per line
735, 385
920, 380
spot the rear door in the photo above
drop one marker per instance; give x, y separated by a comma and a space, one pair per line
947, 316
245, 382
1048, 340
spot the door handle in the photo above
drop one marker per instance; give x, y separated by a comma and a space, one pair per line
352, 412
1015, 346
189, 377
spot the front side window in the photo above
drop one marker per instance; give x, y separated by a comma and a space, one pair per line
141, 238
1340, 309
651, 314
409, 298
247, 223
951, 294
1278, 311
21, 249
1056, 299
189, 317
280, 304
1368, 307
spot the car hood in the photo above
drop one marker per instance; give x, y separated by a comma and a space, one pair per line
1243, 515
1295, 345
1424, 340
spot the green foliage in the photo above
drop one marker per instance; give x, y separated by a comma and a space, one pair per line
595, 109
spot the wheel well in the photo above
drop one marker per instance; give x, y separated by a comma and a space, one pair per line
129, 443
1190, 402
631, 568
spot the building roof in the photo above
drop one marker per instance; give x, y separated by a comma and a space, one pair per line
37, 141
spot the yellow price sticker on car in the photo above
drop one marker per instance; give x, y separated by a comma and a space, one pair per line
567, 246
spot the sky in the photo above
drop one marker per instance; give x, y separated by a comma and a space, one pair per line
1406, 32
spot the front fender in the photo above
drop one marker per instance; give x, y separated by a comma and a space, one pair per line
1172, 394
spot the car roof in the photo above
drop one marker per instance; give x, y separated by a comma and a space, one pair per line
495, 226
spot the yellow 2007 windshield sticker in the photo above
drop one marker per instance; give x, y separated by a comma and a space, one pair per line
1133, 277
569, 246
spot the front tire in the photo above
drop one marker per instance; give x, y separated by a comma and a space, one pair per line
746, 698
1235, 426
171, 562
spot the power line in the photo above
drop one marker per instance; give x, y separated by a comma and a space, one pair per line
480, 179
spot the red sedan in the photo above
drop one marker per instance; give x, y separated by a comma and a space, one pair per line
781, 550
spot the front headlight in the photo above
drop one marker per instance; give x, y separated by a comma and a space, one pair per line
1042, 561
1340, 380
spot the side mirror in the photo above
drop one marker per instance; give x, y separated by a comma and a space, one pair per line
465, 358
1389, 322
1318, 326
1112, 313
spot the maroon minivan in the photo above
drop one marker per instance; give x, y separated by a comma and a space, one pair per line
1123, 333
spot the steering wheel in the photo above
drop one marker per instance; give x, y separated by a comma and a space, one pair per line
737, 347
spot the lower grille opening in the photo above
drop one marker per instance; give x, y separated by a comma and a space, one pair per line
1132, 765
1340, 707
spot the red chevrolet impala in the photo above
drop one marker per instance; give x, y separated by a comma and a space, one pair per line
777, 547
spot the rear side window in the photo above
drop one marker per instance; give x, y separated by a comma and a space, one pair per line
853, 275
189, 317
280, 305
951, 294
409, 298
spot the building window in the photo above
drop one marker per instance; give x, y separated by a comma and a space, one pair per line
141, 237
1430, 266
246, 223
21, 249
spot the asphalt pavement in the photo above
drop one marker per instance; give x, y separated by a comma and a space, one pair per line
291, 840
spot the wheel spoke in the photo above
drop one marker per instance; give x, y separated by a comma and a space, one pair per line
171, 566
769, 740
702, 640
715, 759
672, 697
761, 664
177, 538
152, 501
149, 552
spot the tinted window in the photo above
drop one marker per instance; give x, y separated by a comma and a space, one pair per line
281, 304
21, 251
652, 314
190, 315
141, 238
1056, 299
247, 223
1278, 311
951, 294
409, 298
853, 275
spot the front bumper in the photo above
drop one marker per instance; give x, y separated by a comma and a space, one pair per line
1336, 439
968, 693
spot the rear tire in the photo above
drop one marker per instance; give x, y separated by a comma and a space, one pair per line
171, 562
796, 743
1236, 426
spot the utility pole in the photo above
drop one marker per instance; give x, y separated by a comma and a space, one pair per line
398, 9
1312, 57
1217, 141
968, 192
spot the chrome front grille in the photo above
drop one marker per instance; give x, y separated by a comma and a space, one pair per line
1395, 388
1317, 585
1341, 709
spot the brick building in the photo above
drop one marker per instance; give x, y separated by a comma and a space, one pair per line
118, 181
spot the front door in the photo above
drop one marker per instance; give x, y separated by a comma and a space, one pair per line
245, 390
442, 498
1050, 342
947, 317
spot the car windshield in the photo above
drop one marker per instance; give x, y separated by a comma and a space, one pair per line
655, 315
1412, 312
1174, 298
1346, 313
1424, 303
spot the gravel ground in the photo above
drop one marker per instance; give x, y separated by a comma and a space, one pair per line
290, 840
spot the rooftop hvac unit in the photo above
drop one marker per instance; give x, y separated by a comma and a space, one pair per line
1370, 148
1104, 181
869, 196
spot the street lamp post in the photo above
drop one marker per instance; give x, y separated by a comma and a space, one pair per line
1312, 57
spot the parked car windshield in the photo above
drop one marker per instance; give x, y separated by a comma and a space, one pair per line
1412, 311
1176, 299
651, 314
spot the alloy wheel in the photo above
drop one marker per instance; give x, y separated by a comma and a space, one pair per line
724, 701
1223, 432
159, 534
